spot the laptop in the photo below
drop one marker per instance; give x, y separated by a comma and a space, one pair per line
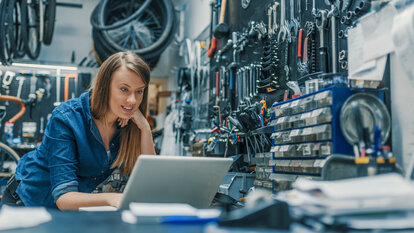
174, 179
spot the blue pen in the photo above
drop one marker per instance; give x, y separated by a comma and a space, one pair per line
187, 219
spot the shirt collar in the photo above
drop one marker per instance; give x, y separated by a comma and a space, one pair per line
86, 106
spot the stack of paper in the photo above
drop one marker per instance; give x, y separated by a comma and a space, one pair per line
387, 192
168, 212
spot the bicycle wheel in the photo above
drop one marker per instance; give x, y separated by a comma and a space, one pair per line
17, 22
8, 163
7, 42
49, 24
145, 34
30, 33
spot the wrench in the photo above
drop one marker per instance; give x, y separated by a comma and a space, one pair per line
294, 24
269, 15
321, 23
283, 23
314, 7
19, 89
333, 14
275, 25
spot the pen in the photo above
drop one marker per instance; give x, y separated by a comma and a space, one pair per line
187, 219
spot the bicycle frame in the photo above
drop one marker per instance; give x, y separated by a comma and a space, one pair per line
18, 100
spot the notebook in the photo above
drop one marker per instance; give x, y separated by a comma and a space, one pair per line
173, 179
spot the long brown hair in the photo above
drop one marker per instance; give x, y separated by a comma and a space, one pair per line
130, 135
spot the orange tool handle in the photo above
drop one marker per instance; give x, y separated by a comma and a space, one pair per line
300, 43
222, 11
18, 100
67, 77
219, 112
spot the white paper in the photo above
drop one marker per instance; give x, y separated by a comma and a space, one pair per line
357, 67
171, 209
402, 111
398, 223
403, 37
375, 29
375, 73
162, 209
356, 51
98, 208
365, 187
22, 217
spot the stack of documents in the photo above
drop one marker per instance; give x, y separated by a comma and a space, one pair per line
387, 197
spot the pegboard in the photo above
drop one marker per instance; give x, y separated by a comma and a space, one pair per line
323, 61
16, 83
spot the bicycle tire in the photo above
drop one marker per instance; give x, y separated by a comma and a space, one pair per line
167, 9
31, 36
10, 155
23, 26
18, 24
120, 23
41, 19
49, 24
6, 175
7, 42
136, 35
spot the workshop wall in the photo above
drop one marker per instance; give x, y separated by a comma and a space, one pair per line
73, 33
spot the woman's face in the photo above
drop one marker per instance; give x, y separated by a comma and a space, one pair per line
125, 94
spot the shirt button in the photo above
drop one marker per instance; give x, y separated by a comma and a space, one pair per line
102, 171
94, 178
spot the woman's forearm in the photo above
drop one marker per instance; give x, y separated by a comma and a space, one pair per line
147, 143
74, 200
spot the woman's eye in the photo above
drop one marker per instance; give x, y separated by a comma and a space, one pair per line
124, 89
140, 91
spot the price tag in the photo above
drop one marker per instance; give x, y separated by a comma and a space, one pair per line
307, 131
317, 112
321, 95
294, 133
305, 115
294, 103
284, 148
284, 105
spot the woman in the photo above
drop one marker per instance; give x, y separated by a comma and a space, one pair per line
86, 139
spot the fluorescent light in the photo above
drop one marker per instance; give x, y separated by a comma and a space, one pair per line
45, 66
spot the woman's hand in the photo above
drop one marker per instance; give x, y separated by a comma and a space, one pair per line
138, 118
122, 122
114, 199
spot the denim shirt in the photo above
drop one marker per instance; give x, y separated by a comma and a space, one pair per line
72, 156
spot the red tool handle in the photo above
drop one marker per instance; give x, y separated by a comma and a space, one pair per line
300, 43
212, 47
